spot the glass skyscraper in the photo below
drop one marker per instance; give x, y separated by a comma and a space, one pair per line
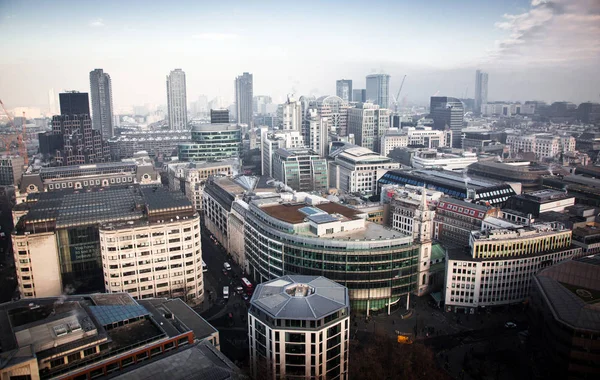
378, 89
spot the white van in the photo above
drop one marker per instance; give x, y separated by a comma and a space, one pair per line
226, 292
226, 266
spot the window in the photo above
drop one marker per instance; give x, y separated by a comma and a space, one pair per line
57, 362
89, 351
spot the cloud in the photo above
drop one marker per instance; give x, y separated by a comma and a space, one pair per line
551, 32
97, 23
216, 36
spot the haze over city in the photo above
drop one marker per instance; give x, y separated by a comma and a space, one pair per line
543, 50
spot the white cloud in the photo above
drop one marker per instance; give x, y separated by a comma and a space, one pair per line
97, 23
216, 36
552, 31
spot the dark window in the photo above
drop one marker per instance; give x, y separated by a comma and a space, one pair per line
112, 367
127, 361
141, 357
57, 362
97, 373
156, 351
73, 357
169, 346
89, 351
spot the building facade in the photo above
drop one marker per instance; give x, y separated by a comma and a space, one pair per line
218, 116
212, 142
306, 335
481, 90
455, 219
543, 145
343, 89
301, 169
425, 136
378, 89
11, 170
79, 143
359, 95
368, 122
273, 140
448, 113
177, 100
289, 115
432, 159
102, 106
243, 98
74, 103
158, 144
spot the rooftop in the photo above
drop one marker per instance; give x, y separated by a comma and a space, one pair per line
220, 127
300, 297
291, 212
536, 229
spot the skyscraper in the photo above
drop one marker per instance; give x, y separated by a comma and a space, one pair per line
177, 100
378, 89
74, 103
368, 122
448, 112
102, 107
359, 95
343, 89
243, 98
51, 102
481, 90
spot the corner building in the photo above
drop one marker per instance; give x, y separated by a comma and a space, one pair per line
298, 328
376, 264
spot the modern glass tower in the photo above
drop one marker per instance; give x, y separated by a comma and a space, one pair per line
177, 100
244, 98
481, 90
448, 113
102, 107
343, 89
378, 89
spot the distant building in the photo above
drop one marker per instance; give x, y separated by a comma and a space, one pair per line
484, 141
589, 112
11, 170
260, 103
424, 136
335, 109
455, 219
218, 116
481, 90
290, 115
448, 113
378, 89
98, 335
432, 159
80, 143
343, 89
243, 98
301, 169
158, 144
530, 205
543, 145
528, 174
74, 103
318, 131
212, 142
102, 105
311, 312
368, 122
273, 140
359, 95
177, 100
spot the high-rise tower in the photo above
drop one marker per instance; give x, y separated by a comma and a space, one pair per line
177, 100
243, 98
378, 89
74, 103
481, 90
448, 113
343, 89
102, 107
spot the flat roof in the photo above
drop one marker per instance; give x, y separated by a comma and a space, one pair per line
300, 297
290, 212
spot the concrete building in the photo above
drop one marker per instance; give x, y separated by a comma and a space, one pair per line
484, 141
98, 335
273, 140
425, 136
528, 174
177, 100
455, 219
301, 169
307, 235
57, 244
318, 131
219, 116
378, 90
481, 90
368, 122
502, 109
448, 113
343, 89
102, 106
290, 115
78, 143
260, 103
522, 208
74, 103
11, 170
432, 159
158, 144
212, 142
353, 169
498, 266
335, 110
243, 99
588, 238
299, 326
543, 145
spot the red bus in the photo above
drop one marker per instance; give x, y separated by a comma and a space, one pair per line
247, 285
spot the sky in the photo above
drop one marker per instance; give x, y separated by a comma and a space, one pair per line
532, 49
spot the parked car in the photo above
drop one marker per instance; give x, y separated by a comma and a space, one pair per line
227, 266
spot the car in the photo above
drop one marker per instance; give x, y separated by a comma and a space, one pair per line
226, 292
510, 325
239, 290
227, 266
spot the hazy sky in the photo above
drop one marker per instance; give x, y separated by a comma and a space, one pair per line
547, 50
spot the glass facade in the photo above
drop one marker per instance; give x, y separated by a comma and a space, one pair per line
376, 272
212, 144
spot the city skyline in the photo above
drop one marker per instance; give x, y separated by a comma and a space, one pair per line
520, 45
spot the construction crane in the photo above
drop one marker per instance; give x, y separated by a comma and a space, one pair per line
397, 97
20, 137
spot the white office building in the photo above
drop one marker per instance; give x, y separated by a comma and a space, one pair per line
368, 122
543, 145
430, 138
432, 159
290, 115
270, 141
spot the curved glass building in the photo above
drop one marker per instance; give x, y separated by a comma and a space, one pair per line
212, 142
376, 264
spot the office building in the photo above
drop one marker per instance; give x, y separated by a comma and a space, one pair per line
543, 145
11, 170
402, 203
335, 110
481, 90
260, 103
414, 136
343, 89
448, 113
498, 266
353, 169
301, 169
177, 100
359, 95
318, 131
62, 241
307, 235
107, 335
80, 144
588, 112
160, 144
455, 219
378, 89
299, 327
271, 141
74, 103
564, 313
219, 116
528, 174
290, 115
102, 105
212, 142
368, 122
484, 141
521, 208
432, 159
502, 109
243, 98
476, 189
